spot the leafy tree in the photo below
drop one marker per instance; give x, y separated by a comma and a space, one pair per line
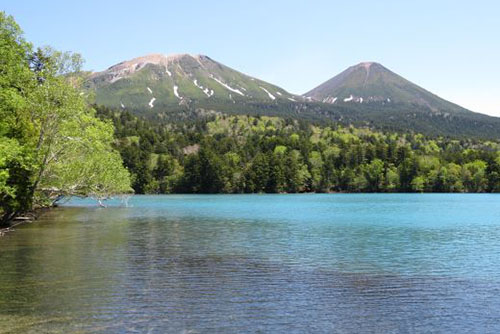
257, 174
418, 184
316, 164
475, 176
494, 175
391, 179
16, 133
51, 143
374, 175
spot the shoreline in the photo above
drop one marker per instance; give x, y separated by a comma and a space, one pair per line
21, 219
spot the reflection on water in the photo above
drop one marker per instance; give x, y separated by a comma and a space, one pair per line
257, 264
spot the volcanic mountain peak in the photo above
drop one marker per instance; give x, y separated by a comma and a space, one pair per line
371, 82
159, 81
125, 68
157, 58
366, 64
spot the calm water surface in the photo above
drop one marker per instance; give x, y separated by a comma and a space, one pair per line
257, 264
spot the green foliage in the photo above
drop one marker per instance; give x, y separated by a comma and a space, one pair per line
16, 80
66, 62
253, 154
51, 143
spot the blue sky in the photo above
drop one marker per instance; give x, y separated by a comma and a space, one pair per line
451, 48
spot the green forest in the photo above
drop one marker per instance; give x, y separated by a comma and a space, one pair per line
52, 145
221, 153
55, 144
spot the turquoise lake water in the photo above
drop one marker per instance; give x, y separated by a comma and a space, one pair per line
312, 263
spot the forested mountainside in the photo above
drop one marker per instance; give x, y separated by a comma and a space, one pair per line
368, 94
395, 117
219, 153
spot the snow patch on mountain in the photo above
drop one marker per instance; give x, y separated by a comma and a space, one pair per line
207, 92
151, 102
330, 99
176, 92
150, 91
227, 86
349, 99
271, 96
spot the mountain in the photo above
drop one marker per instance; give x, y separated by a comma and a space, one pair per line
183, 87
372, 83
155, 82
371, 94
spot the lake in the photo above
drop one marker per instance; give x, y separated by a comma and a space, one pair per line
311, 263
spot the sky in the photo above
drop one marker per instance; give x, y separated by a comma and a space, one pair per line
451, 48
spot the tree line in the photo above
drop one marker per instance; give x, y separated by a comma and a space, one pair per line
52, 145
251, 154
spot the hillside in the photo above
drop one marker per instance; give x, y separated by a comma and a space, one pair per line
157, 81
372, 83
